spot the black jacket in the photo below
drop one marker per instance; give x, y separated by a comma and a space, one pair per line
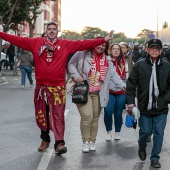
138, 83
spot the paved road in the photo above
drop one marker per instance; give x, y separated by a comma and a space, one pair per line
19, 139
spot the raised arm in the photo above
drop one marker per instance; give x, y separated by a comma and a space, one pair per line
80, 45
22, 42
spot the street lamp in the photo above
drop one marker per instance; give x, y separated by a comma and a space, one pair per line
157, 18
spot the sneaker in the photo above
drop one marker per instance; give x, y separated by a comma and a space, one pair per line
92, 146
109, 136
60, 149
117, 136
44, 145
31, 85
142, 154
85, 147
23, 86
155, 164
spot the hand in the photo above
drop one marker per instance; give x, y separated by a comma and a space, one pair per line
130, 107
124, 88
110, 36
79, 80
70, 80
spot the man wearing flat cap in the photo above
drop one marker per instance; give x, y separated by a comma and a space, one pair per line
150, 79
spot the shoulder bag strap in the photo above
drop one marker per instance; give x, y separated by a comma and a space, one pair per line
83, 64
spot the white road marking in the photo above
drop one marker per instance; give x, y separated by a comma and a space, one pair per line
65, 113
45, 159
47, 155
4, 83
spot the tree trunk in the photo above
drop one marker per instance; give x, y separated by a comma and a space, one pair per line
32, 27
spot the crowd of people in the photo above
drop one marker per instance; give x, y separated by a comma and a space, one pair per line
146, 73
116, 74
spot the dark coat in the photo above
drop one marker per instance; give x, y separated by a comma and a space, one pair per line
139, 80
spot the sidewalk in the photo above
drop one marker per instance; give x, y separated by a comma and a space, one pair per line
8, 73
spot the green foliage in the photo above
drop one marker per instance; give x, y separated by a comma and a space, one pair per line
71, 35
91, 32
18, 11
145, 33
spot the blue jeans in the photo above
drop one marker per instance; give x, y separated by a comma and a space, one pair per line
26, 70
149, 124
115, 106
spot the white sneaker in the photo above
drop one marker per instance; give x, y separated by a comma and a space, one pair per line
31, 85
92, 146
117, 136
109, 136
85, 147
22, 86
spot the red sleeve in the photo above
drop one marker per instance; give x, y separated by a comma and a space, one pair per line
80, 45
22, 42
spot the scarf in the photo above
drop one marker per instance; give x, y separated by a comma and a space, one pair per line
153, 86
120, 68
98, 71
49, 48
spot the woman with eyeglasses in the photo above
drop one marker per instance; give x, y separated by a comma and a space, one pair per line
98, 71
117, 98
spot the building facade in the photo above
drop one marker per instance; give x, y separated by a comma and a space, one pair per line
51, 11
164, 35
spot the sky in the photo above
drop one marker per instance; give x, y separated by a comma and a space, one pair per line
127, 16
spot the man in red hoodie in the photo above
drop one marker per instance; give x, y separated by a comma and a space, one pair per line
50, 57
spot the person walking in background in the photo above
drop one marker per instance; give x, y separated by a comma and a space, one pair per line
26, 64
136, 53
50, 56
151, 77
98, 71
145, 50
4, 50
117, 97
11, 54
126, 50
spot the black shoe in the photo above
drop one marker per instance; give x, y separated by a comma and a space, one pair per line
142, 154
155, 164
60, 149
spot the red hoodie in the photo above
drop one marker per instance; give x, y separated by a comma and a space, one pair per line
52, 74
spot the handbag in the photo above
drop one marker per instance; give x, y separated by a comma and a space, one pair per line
129, 121
70, 85
81, 90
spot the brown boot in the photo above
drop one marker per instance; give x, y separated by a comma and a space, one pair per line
44, 145
60, 149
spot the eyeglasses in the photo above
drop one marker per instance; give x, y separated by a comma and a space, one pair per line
154, 48
114, 49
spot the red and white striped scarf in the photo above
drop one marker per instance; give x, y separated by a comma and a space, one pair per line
98, 71
49, 48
